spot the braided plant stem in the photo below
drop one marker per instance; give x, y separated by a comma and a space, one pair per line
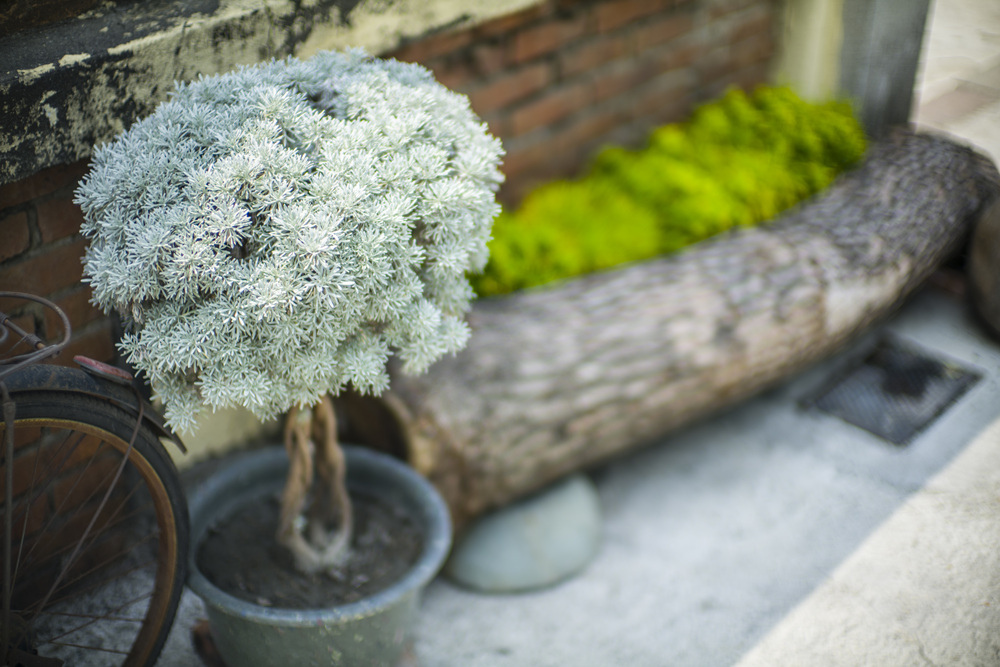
315, 495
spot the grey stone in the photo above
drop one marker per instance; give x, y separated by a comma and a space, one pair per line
533, 543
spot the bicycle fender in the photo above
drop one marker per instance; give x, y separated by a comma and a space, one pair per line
46, 377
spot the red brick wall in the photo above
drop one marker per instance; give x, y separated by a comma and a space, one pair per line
562, 78
40, 253
555, 82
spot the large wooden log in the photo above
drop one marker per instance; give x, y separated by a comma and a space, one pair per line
558, 378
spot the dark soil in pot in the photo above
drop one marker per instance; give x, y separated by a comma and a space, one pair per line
241, 556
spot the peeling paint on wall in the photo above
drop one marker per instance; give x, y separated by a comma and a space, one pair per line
68, 86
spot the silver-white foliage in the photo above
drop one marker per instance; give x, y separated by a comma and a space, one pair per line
276, 232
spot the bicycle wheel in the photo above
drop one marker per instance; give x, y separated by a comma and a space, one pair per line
98, 557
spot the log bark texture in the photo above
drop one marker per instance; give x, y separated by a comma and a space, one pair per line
559, 378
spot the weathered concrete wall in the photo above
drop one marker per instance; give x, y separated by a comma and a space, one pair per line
71, 84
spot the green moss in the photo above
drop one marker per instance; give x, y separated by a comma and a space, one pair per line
738, 162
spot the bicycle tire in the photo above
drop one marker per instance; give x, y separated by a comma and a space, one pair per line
65, 434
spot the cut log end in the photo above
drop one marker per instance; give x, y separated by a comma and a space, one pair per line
983, 272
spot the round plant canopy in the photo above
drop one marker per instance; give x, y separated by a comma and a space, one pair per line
275, 233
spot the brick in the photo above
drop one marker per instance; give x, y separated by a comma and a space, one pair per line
55, 269
623, 79
523, 159
58, 218
74, 520
753, 76
65, 454
613, 15
95, 342
751, 51
666, 99
756, 23
26, 443
31, 521
670, 57
747, 78
498, 122
43, 183
662, 29
426, 47
537, 161
14, 235
516, 189
453, 73
546, 38
500, 127
592, 53
726, 7
488, 59
568, 5
714, 64
512, 87
82, 487
510, 22
551, 108
25, 321
592, 127
78, 309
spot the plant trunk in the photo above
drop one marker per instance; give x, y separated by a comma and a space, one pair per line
316, 522
560, 378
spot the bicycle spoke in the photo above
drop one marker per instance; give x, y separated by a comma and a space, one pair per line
24, 526
92, 586
94, 519
95, 524
121, 619
96, 583
96, 553
50, 472
69, 584
34, 614
94, 619
8, 458
81, 504
91, 648
107, 527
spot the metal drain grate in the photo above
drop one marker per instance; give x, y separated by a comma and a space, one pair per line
896, 392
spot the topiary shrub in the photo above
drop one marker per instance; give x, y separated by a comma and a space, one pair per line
273, 234
739, 161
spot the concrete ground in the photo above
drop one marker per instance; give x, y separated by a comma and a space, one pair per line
778, 534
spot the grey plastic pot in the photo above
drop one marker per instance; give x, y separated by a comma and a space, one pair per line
372, 631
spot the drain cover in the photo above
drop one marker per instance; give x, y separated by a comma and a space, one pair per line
896, 392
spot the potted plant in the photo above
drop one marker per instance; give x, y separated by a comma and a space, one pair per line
271, 236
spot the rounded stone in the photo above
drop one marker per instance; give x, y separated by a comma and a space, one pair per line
533, 543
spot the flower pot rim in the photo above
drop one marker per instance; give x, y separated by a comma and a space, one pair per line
437, 540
